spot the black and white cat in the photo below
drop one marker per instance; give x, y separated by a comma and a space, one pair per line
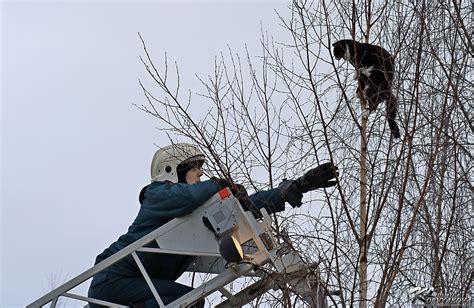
375, 72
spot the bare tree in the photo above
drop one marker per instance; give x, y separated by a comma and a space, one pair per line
400, 215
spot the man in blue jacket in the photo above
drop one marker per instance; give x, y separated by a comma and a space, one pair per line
177, 190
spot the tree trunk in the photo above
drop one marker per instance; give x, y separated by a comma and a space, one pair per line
363, 208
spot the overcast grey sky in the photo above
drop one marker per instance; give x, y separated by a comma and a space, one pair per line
75, 151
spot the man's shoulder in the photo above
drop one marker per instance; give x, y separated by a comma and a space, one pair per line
159, 185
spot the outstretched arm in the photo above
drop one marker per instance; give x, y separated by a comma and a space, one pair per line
271, 200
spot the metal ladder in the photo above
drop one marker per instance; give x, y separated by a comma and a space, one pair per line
233, 228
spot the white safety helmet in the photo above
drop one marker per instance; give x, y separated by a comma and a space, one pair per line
166, 160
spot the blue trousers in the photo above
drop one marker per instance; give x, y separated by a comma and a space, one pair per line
133, 291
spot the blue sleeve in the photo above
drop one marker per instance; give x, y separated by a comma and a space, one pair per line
169, 200
271, 200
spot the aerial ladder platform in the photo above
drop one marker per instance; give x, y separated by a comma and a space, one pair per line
228, 242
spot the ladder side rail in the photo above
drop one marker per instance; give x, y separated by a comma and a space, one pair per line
115, 257
177, 252
209, 265
250, 293
93, 300
213, 285
204, 290
225, 292
102, 265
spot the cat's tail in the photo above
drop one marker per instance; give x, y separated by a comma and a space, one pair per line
391, 115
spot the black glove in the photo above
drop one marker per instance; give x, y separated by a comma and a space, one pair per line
291, 192
237, 190
241, 194
247, 204
221, 183
318, 177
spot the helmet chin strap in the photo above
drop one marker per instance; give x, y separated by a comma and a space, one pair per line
183, 168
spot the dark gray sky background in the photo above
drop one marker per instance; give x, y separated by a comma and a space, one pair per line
75, 151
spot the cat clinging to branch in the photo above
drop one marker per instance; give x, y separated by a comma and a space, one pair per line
375, 75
